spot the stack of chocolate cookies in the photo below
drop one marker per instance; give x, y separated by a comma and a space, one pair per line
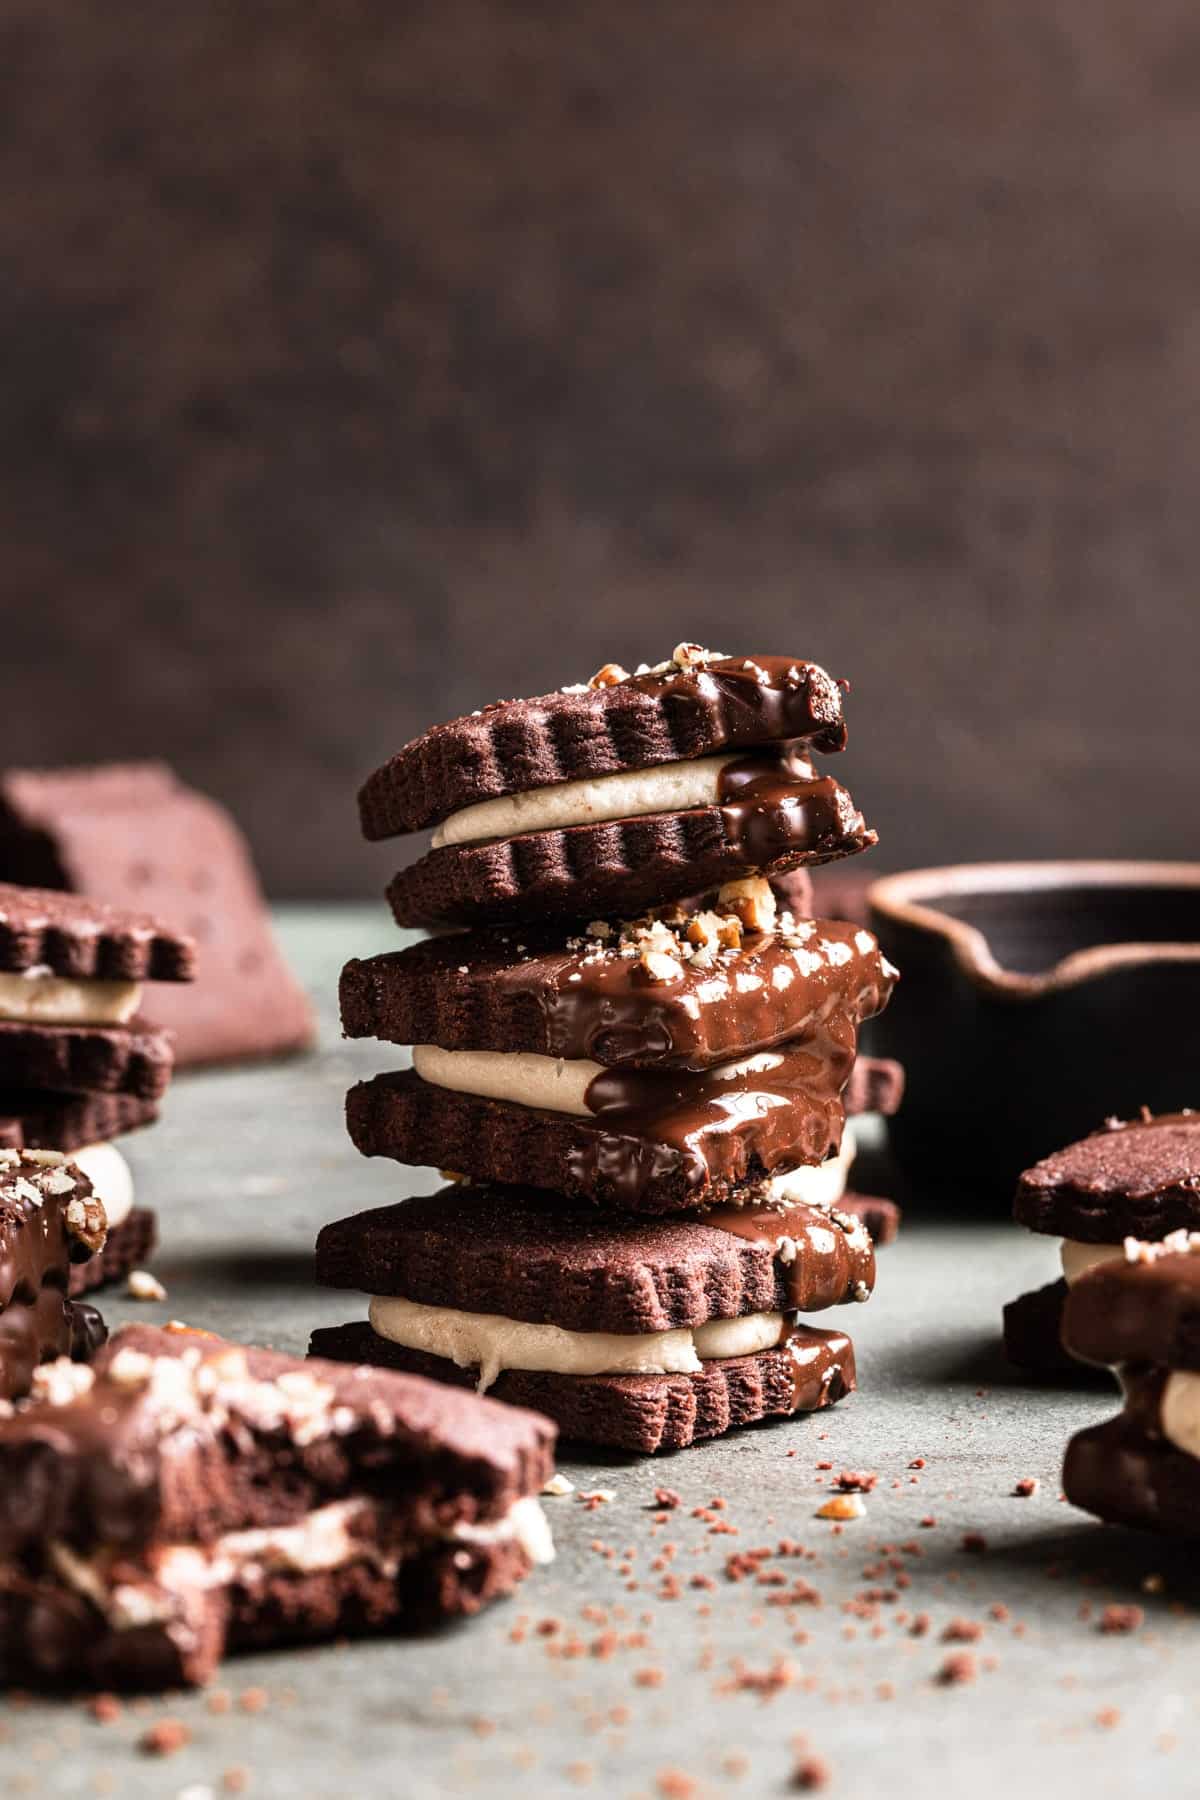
634, 1060
1136, 1178
79, 1065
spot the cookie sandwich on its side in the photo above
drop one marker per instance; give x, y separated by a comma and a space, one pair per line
186, 1498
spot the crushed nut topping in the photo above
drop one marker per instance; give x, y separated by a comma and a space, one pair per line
608, 676
59, 1383
753, 902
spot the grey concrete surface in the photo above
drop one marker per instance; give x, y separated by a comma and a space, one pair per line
243, 1169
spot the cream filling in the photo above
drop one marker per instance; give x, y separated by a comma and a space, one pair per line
1180, 1411
817, 1184
1078, 1258
41, 998
492, 1343
111, 1179
673, 787
554, 1084
324, 1539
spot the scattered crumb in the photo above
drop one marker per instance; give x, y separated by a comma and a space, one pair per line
842, 1506
962, 1631
1026, 1488
918, 1462
165, 1738
1120, 1620
557, 1485
957, 1669
142, 1285
666, 1498
974, 1543
254, 1700
675, 1785
856, 1481
1108, 1716
810, 1773
105, 1708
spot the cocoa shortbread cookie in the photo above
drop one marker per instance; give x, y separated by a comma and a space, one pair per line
1140, 1316
652, 1331
74, 938
132, 1059
228, 1498
43, 1121
644, 1414
1133, 1178
132, 835
49, 1220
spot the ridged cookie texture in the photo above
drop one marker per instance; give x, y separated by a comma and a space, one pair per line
641, 722
132, 1059
73, 936
538, 1258
621, 867
37, 1120
641, 1414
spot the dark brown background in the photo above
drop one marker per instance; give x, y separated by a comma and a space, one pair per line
363, 362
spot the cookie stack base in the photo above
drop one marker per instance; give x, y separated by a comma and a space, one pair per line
637, 1413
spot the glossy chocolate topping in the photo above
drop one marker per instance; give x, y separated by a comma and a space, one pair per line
37, 1247
582, 999
1145, 1311
761, 697
785, 1111
838, 1256
817, 1358
777, 805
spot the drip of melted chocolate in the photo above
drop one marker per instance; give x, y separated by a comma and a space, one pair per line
777, 805
829, 1261
37, 1321
817, 1357
762, 697
719, 1126
601, 1007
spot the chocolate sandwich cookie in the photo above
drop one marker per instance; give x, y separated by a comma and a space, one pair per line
131, 835
1138, 1178
639, 1334
1141, 1317
696, 705
628, 792
770, 812
41, 1121
45, 934
189, 1497
49, 1219
671, 994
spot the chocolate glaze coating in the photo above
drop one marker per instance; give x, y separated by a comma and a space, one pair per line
75, 936
542, 992
1136, 1179
109, 1059
538, 1257
644, 1413
658, 1142
38, 1244
624, 866
1122, 1474
1137, 1312
640, 723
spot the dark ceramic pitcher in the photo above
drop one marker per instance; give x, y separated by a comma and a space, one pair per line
1036, 999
